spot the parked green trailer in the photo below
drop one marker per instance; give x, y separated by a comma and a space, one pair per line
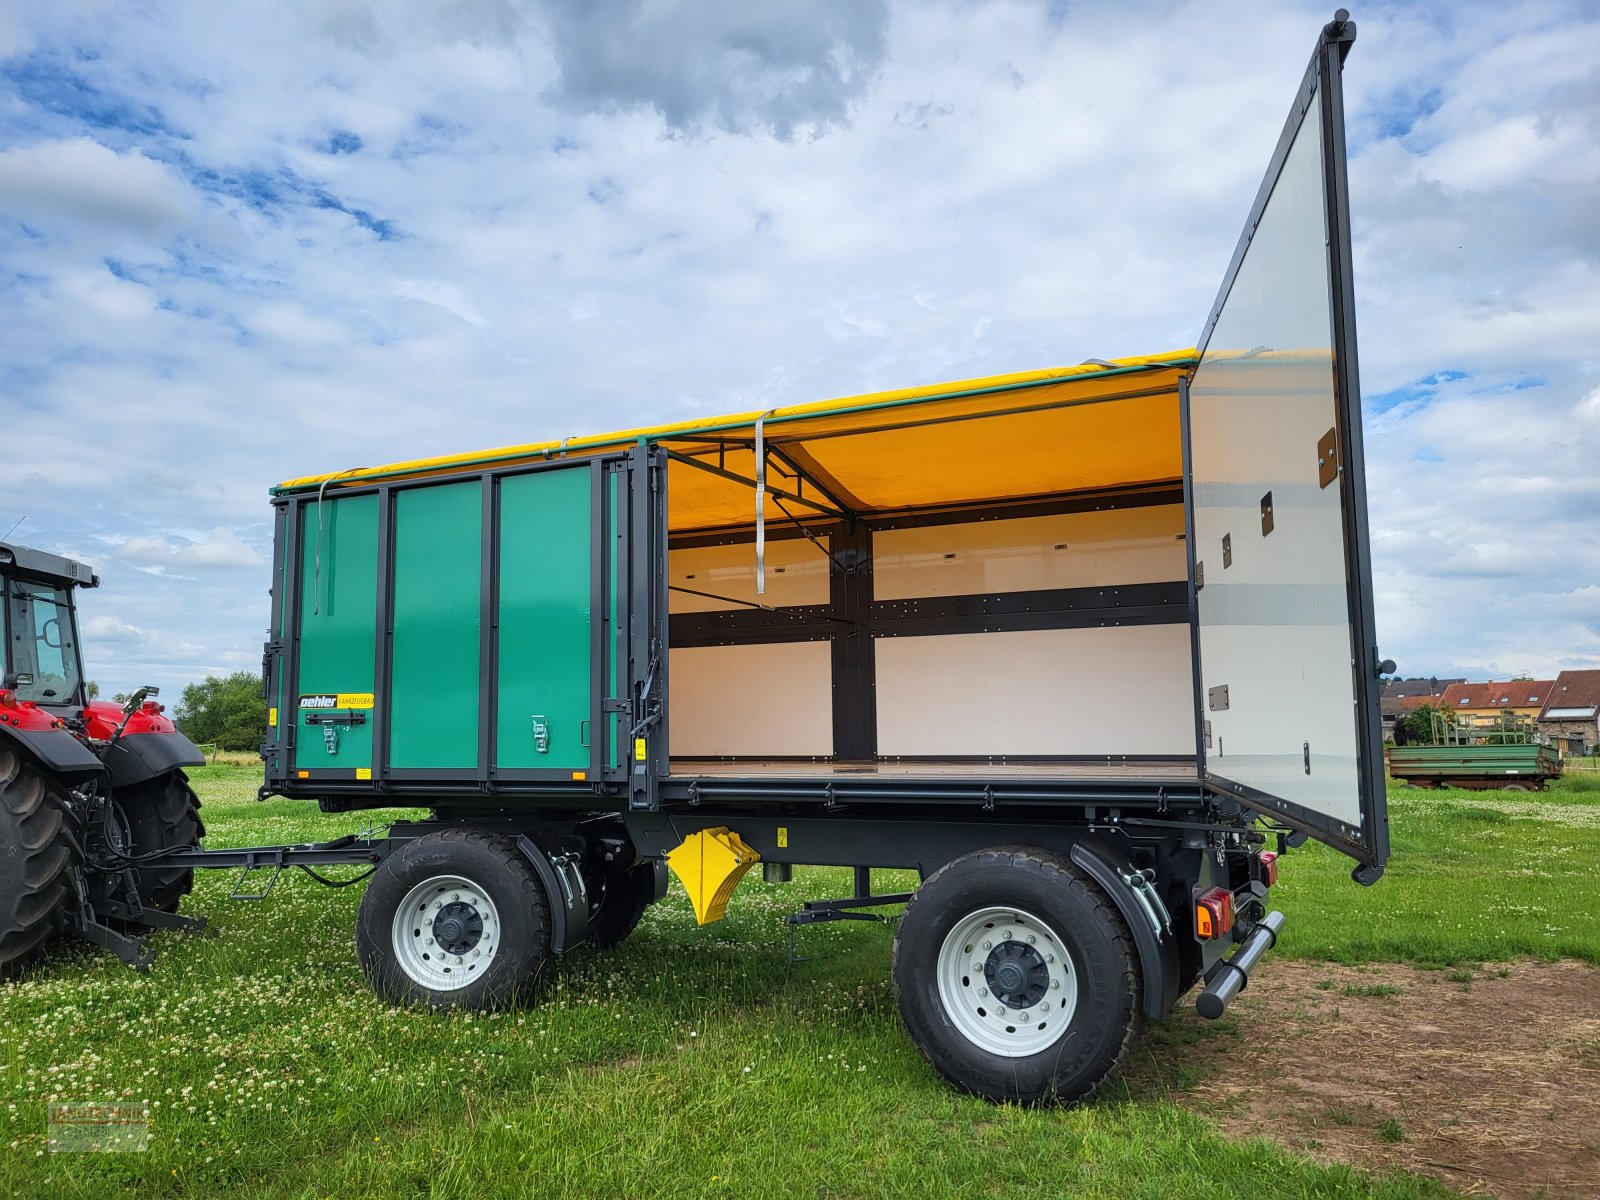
1513, 767
1084, 648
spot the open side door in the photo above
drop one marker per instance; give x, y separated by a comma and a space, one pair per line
1286, 664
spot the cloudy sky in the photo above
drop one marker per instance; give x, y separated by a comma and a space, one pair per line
240, 243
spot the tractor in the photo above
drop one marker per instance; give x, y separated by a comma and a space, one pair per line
92, 792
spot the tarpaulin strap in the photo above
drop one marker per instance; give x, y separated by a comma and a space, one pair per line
761, 502
316, 573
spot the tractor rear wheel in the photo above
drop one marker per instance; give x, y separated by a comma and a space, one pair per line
36, 852
160, 814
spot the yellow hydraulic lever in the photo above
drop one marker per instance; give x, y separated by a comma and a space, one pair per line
710, 864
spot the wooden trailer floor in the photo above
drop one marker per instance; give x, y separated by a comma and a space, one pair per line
1155, 770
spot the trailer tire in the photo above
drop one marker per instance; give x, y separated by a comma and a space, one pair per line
487, 935
37, 850
618, 900
162, 813
1062, 954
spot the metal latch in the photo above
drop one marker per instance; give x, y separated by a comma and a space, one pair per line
541, 735
332, 722
1266, 514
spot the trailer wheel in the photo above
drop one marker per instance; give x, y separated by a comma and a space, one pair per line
455, 919
617, 901
36, 851
159, 814
1017, 978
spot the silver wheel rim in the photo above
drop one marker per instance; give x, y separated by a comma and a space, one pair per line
1007, 982
446, 932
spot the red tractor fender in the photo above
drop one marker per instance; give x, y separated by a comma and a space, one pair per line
150, 743
44, 738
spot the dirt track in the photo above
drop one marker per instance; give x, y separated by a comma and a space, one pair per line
1491, 1083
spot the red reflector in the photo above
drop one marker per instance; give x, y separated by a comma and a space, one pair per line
1269, 868
1213, 914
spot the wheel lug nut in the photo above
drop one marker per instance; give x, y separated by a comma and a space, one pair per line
1000, 1011
1030, 939
1049, 958
988, 945
1006, 936
1024, 1016
1044, 1006
1055, 983
983, 991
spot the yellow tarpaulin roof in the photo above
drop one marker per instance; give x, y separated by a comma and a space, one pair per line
1096, 426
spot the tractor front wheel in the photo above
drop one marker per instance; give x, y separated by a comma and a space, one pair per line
36, 852
159, 814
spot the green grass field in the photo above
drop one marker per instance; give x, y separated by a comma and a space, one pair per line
687, 1062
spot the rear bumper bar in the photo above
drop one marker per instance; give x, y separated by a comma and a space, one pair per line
1228, 978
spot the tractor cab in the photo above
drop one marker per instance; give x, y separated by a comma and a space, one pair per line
43, 664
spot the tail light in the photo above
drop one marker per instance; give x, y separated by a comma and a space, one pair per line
1213, 914
1269, 867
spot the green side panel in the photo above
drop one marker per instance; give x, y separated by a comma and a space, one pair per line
546, 615
438, 626
338, 628
619, 647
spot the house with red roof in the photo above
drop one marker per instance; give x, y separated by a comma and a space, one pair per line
1570, 719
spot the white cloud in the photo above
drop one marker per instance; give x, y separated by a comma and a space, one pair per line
80, 182
101, 630
221, 549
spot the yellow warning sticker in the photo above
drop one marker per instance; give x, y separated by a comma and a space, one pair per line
640, 750
272, 718
302, 774
783, 837
363, 772
323, 701
580, 775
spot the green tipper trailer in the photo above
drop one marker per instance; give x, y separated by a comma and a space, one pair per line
1512, 766
1084, 648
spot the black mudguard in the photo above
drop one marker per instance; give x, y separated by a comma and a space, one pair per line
1158, 954
140, 756
56, 750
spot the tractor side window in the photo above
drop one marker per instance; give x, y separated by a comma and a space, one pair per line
46, 645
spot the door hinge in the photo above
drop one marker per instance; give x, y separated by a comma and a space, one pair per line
1227, 551
1217, 698
1199, 576
1328, 458
1266, 514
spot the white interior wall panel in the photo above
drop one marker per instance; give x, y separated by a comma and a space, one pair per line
797, 573
1115, 690
773, 700
1068, 550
